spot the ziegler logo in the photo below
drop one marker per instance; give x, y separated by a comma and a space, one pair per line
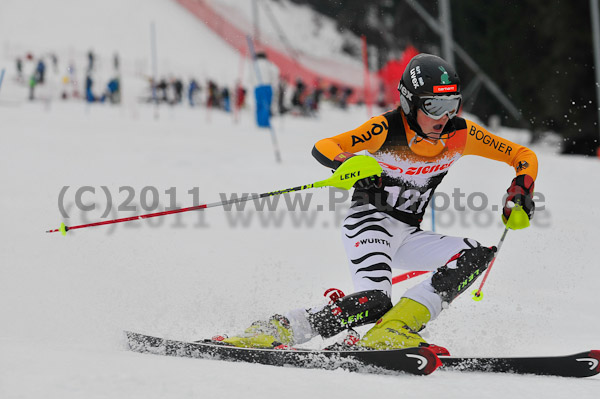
422, 170
372, 241
376, 130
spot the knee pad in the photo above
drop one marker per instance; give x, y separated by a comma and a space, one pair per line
450, 282
353, 310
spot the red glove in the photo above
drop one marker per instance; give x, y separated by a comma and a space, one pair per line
362, 184
520, 191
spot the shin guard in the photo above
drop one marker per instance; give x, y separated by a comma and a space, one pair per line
350, 311
450, 282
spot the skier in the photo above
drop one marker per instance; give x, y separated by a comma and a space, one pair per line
416, 144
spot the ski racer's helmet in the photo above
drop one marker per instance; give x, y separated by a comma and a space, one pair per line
431, 84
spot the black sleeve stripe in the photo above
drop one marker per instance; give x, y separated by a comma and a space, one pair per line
323, 160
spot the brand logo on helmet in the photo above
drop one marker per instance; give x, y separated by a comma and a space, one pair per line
445, 89
405, 92
413, 77
445, 78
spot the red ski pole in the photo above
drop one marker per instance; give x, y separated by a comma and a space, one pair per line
63, 229
344, 177
517, 220
477, 296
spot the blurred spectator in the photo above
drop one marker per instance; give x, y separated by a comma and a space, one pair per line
225, 100
91, 59
89, 94
40, 72
281, 89
177, 90
113, 91
116, 62
333, 93
316, 96
19, 69
345, 96
213, 95
193, 89
298, 96
54, 60
161, 91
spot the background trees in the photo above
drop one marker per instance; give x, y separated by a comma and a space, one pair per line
538, 52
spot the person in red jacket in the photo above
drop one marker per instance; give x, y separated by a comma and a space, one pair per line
416, 145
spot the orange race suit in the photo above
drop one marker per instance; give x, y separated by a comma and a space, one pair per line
414, 167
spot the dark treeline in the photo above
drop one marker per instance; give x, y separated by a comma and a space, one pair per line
539, 52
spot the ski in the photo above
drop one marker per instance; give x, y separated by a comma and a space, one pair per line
419, 361
584, 364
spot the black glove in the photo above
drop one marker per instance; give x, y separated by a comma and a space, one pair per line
368, 183
364, 183
520, 191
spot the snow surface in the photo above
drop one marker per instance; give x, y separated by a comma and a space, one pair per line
64, 302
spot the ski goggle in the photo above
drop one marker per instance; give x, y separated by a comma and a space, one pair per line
437, 107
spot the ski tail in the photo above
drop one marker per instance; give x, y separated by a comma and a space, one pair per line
584, 364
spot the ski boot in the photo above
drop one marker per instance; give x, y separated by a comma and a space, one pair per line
272, 333
398, 328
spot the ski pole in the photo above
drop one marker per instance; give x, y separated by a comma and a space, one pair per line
477, 296
344, 177
518, 219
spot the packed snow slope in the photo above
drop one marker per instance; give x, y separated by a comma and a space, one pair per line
64, 301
